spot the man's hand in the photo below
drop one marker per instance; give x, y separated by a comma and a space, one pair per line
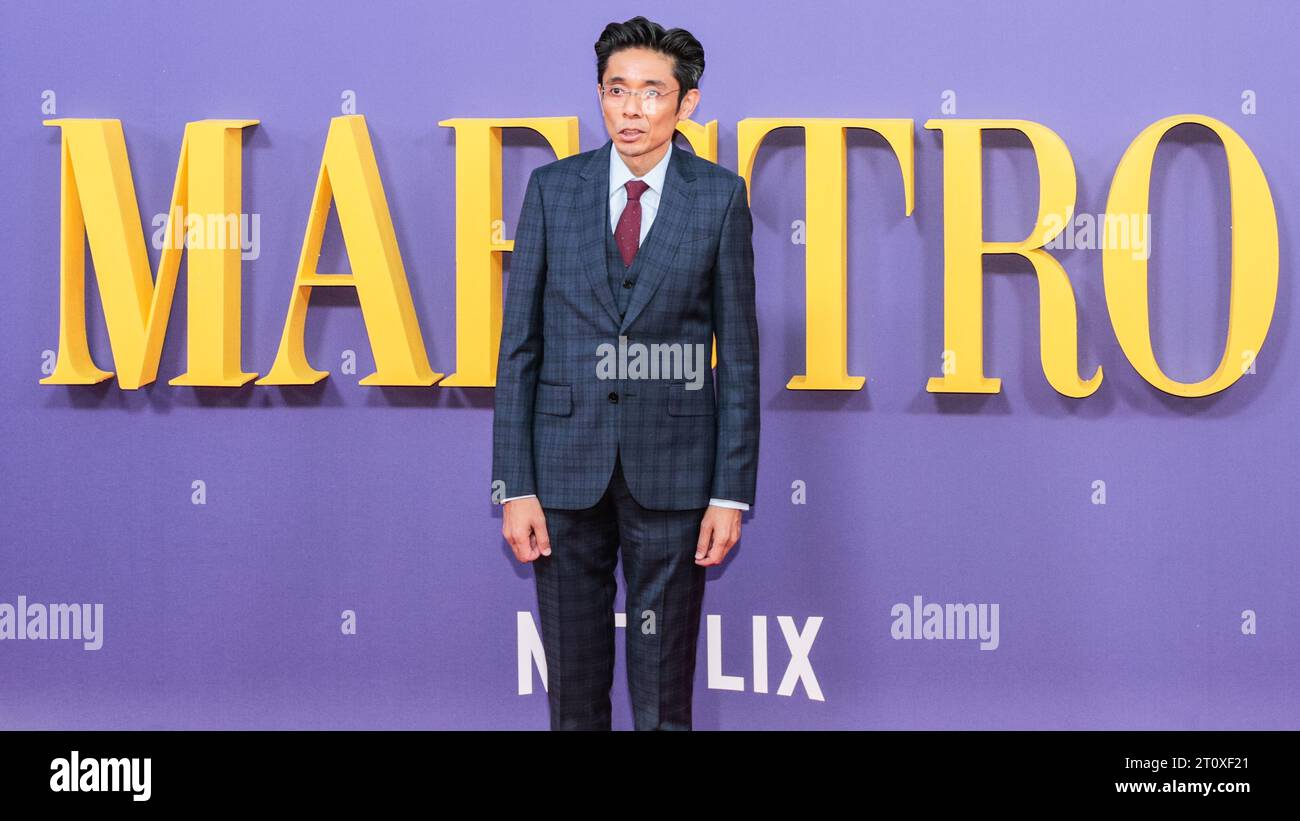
524, 526
719, 530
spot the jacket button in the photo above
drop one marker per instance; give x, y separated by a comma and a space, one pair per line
613, 397
627, 283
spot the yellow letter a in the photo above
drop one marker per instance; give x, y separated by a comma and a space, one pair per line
349, 175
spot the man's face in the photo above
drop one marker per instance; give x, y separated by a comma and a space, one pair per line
641, 128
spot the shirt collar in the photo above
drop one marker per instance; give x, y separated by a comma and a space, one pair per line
619, 173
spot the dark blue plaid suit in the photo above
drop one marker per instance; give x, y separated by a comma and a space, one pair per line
630, 461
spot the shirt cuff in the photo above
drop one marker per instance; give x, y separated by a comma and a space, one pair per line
728, 503
525, 496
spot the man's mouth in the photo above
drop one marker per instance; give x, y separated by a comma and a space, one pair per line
630, 132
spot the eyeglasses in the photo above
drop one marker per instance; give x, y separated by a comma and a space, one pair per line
617, 94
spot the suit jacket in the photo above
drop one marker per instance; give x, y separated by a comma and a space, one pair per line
557, 424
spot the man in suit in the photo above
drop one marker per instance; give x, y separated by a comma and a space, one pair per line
635, 242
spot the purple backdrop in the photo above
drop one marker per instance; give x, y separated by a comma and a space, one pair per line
337, 497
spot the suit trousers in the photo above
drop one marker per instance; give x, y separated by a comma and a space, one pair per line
664, 594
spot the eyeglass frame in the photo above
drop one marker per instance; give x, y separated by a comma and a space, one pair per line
638, 94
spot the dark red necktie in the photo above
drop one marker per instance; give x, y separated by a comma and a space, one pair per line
628, 232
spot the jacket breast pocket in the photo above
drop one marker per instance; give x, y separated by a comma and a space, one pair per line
682, 402
696, 245
556, 400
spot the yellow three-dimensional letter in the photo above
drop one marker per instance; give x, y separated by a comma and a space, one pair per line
964, 248
97, 202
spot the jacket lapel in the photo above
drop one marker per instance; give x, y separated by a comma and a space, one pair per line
594, 209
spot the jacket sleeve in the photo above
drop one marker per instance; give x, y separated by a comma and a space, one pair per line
519, 358
735, 326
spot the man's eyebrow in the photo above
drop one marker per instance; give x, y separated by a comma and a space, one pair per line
647, 82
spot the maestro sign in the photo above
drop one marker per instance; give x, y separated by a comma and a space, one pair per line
98, 203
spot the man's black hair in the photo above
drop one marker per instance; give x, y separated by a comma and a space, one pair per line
677, 43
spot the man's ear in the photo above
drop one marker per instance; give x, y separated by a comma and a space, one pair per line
689, 102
